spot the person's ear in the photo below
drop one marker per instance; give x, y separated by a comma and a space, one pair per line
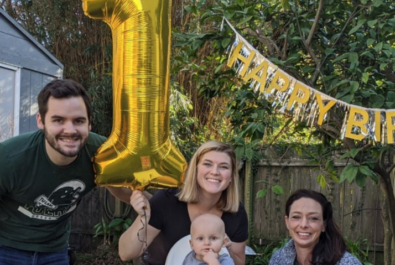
226, 241
40, 122
90, 127
286, 221
190, 243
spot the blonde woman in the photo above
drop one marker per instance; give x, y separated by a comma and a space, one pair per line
211, 186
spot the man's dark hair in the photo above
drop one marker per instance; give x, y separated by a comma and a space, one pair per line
62, 89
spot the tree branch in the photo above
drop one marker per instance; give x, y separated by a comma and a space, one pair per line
266, 41
315, 24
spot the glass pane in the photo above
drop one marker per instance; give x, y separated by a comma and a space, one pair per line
7, 87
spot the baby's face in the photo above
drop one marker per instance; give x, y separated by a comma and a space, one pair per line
205, 237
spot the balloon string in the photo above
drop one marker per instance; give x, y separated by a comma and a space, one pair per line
144, 257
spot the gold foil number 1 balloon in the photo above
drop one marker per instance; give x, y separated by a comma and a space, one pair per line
138, 153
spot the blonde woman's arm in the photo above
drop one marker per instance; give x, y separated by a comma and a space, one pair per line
237, 252
132, 241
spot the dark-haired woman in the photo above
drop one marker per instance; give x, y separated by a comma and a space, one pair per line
316, 238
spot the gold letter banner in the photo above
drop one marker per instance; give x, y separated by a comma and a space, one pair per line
139, 153
303, 102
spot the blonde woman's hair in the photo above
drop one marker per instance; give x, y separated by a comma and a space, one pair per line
230, 198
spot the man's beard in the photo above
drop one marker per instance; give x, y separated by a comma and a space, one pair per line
53, 142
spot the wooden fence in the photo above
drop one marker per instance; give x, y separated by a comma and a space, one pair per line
356, 210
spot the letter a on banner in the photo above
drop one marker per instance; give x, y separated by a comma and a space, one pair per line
262, 67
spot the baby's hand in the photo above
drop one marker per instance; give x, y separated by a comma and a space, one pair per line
211, 257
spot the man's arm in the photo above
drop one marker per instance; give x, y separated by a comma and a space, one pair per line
124, 194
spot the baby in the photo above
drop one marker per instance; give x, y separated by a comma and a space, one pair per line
207, 238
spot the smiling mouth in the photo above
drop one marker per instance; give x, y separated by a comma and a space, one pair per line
303, 234
69, 139
213, 180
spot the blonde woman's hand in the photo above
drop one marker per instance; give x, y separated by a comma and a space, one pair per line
140, 203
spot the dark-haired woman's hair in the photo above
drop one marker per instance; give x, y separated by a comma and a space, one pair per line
331, 245
62, 89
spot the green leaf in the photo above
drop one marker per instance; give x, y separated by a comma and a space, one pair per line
239, 151
349, 173
367, 54
365, 170
354, 29
365, 78
344, 91
354, 152
225, 42
277, 189
345, 155
261, 193
249, 154
354, 86
383, 66
115, 222
218, 68
378, 47
377, 3
341, 57
378, 101
344, 81
370, 42
335, 178
246, 19
329, 51
321, 180
390, 98
353, 57
360, 180
372, 23
374, 178
196, 44
348, 98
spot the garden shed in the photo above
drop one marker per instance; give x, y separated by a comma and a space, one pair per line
25, 67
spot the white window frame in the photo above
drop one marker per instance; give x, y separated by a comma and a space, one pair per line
17, 94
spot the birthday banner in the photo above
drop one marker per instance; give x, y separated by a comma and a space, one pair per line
305, 103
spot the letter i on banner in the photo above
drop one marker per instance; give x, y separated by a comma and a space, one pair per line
377, 121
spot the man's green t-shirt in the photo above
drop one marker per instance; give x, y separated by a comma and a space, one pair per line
37, 197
